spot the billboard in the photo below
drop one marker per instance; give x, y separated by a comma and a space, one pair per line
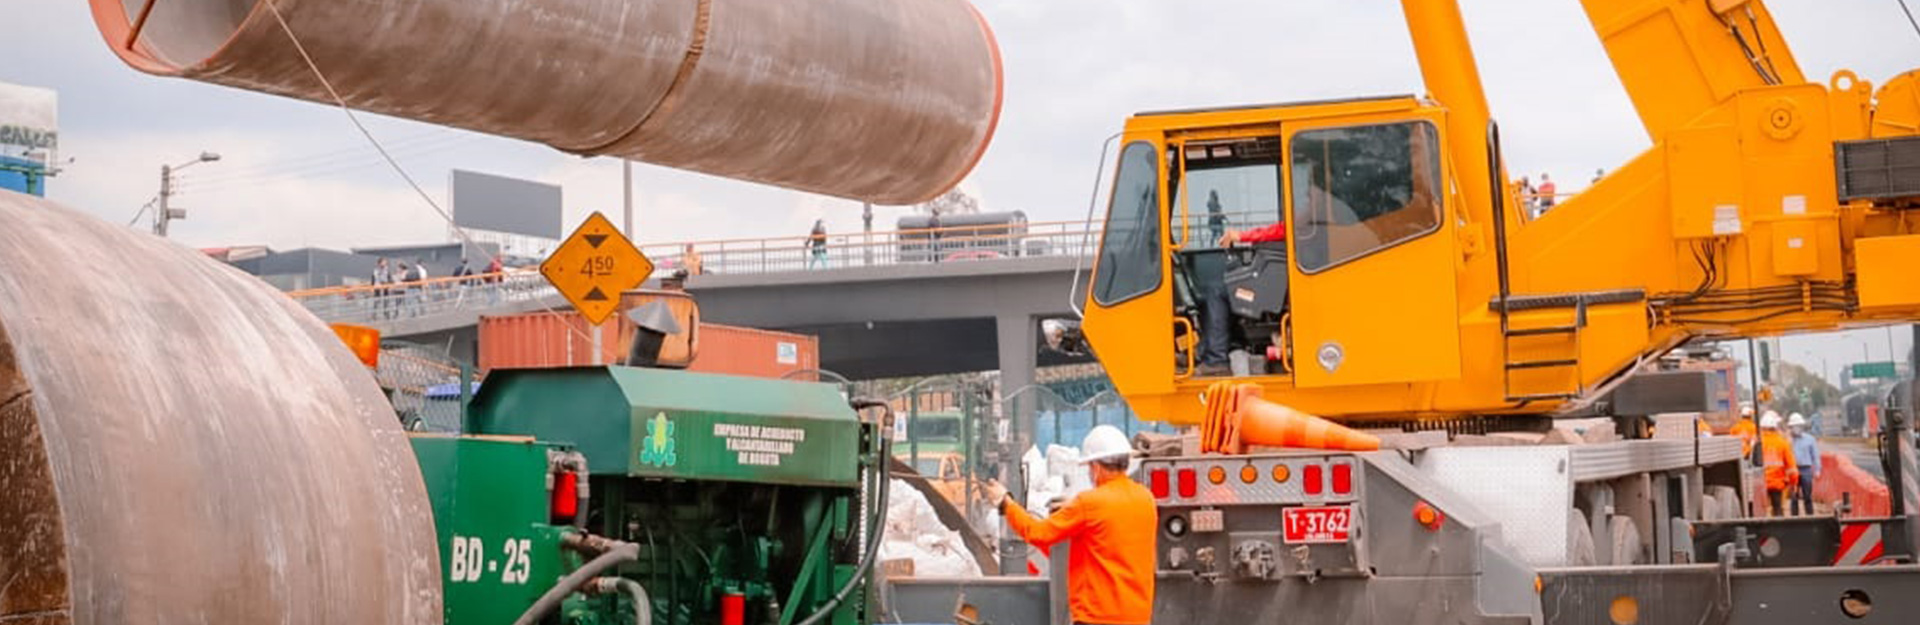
501, 204
28, 120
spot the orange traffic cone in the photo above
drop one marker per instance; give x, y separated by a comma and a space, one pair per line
1237, 417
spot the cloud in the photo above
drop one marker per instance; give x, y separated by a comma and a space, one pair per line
114, 175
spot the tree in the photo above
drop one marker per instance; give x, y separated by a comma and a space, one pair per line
954, 202
1801, 390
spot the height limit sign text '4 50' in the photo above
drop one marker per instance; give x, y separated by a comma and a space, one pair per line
593, 266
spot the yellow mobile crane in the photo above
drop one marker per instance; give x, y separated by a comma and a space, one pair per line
1414, 285
1414, 289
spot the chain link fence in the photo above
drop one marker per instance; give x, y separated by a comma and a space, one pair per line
423, 385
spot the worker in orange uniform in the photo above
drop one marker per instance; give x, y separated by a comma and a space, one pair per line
1781, 471
1110, 563
1745, 429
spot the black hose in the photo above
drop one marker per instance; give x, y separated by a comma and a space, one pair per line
619, 552
876, 536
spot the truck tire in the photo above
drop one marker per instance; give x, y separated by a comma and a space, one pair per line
1625, 541
1579, 540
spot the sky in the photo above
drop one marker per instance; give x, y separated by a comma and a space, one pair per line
296, 174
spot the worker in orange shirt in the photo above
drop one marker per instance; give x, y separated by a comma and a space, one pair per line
1110, 562
1745, 429
1781, 471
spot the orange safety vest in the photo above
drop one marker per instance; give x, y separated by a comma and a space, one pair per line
1778, 453
1110, 563
1744, 429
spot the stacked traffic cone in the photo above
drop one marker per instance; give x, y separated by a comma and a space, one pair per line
1237, 417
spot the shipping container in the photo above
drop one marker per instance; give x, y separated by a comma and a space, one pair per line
546, 339
758, 353
564, 338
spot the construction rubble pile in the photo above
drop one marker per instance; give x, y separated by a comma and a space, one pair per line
914, 532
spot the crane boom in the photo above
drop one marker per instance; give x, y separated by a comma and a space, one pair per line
1678, 61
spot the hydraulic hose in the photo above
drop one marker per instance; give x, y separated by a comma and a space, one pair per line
878, 534
642, 605
617, 552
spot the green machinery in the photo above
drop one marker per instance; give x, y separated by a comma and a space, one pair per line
741, 501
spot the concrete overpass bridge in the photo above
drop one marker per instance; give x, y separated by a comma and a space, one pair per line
884, 304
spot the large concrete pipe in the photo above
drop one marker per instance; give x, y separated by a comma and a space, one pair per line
886, 101
180, 443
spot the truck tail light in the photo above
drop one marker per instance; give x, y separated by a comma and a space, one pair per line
362, 340
733, 608
1158, 479
1428, 516
566, 498
1311, 479
1189, 483
1342, 479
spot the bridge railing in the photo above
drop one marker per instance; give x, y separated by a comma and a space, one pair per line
424, 298
874, 249
482, 292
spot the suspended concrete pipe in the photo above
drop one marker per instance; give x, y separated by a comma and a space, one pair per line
884, 101
181, 443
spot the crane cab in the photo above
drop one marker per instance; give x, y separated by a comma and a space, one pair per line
1304, 247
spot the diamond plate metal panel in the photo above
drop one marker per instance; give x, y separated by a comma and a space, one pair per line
1528, 489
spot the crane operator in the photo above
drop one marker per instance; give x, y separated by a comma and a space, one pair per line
1216, 316
1110, 561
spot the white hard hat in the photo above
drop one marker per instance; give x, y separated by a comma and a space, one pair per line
1105, 441
1746, 410
1796, 420
1770, 420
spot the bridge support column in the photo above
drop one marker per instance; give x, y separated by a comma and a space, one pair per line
1018, 344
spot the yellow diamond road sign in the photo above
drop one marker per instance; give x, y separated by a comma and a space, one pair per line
594, 266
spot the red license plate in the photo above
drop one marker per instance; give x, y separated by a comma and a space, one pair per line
1317, 524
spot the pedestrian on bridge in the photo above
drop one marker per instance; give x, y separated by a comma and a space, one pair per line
1547, 192
690, 261
415, 277
382, 289
493, 279
1216, 216
817, 244
1110, 560
465, 274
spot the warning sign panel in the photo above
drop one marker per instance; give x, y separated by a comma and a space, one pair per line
594, 265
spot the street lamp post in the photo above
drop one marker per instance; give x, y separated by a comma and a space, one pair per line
165, 213
1890, 355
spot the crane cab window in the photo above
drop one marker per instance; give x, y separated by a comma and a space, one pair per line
1360, 189
1234, 185
1129, 264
